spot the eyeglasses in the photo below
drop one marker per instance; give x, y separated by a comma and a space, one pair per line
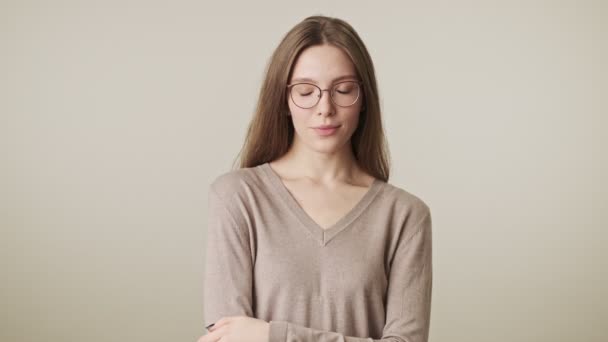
307, 95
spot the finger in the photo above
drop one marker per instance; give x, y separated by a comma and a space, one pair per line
214, 336
221, 322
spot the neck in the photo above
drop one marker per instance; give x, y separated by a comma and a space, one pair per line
322, 167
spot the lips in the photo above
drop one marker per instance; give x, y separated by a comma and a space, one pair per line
326, 126
329, 130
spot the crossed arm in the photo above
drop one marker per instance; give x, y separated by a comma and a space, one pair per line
228, 283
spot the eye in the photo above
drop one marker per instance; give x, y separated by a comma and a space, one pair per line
345, 88
304, 89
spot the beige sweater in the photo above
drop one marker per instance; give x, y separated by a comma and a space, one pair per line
366, 278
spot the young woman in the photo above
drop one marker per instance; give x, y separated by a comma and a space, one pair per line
307, 241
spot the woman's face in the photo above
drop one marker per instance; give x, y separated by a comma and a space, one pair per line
324, 66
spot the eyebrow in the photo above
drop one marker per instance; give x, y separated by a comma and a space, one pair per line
306, 79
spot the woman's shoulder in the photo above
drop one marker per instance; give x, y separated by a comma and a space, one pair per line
409, 210
405, 199
235, 181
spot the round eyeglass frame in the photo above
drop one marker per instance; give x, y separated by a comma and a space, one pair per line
359, 84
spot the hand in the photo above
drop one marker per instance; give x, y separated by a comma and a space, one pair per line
238, 329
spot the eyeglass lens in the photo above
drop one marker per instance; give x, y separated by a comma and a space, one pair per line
343, 94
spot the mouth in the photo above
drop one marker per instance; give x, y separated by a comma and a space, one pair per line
326, 129
327, 126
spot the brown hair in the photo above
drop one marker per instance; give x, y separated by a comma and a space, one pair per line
271, 131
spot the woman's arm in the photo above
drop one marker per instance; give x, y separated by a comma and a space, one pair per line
228, 275
408, 303
229, 278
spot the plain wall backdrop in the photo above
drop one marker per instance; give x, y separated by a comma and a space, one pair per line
116, 115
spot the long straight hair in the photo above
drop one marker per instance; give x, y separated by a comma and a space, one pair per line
271, 132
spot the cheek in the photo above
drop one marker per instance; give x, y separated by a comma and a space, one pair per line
351, 121
299, 120
354, 118
293, 108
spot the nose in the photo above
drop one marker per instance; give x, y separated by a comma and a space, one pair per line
325, 105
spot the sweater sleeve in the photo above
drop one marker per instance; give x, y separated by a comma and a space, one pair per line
228, 277
408, 303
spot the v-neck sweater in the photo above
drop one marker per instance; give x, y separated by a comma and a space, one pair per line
368, 277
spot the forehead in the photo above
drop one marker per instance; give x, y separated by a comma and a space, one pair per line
323, 64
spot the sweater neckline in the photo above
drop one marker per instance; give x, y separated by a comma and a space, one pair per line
323, 235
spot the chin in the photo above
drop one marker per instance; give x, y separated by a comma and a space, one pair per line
327, 146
